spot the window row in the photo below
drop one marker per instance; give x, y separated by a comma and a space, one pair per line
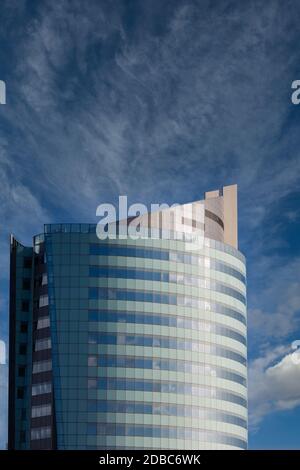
163, 432
100, 406
41, 388
166, 255
44, 280
164, 276
41, 366
41, 433
41, 280
180, 388
165, 342
43, 322
165, 364
106, 316
43, 301
91, 228
41, 410
41, 344
103, 293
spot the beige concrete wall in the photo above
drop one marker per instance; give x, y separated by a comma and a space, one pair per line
221, 203
230, 215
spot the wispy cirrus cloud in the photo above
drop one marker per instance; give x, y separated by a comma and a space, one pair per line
125, 106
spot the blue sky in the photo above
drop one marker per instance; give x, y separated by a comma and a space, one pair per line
162, 100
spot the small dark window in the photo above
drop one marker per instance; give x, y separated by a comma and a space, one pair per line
23, 414
26, 284
22, 371
25, 305
22, 349
22, 437
24, 327
27, 263
20, 392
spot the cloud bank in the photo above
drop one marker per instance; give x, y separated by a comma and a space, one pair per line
274, 384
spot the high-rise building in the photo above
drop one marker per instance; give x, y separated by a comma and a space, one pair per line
131, 343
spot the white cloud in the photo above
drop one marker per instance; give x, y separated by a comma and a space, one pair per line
273, 384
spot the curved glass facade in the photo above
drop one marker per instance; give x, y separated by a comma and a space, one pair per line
167, 346
132, 344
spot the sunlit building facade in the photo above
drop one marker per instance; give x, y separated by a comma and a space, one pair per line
131, 343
